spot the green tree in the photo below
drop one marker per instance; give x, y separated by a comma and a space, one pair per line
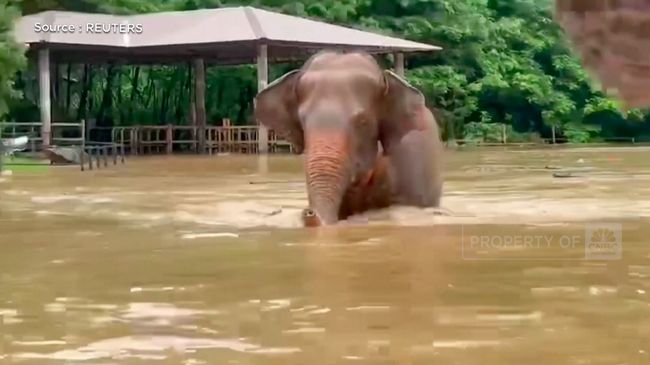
503, 62
12, 57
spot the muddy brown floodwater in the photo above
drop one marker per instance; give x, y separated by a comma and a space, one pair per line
183, 260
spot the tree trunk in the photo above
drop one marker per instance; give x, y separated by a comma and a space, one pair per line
83, 99
243, 94
120, 106
185, 103
199, 83
55, 91
154, 102
149, 90
163, 103
218, 97
107, 96
134, 92
67, 90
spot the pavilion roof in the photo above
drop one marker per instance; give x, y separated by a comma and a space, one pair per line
229, 35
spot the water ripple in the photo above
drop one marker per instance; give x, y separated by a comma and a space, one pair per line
139, 346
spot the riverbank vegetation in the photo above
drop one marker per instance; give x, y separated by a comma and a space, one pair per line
505, 62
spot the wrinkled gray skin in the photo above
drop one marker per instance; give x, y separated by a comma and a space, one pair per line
341, 110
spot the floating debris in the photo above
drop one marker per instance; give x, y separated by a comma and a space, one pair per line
563, 174
191, 236
569, 172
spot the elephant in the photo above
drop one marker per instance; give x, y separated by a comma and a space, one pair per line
372, 191
345, 114
611, 38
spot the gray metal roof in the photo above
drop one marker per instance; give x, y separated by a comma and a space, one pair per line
225, 35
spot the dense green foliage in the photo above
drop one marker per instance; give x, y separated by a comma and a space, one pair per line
11, 57
504, 61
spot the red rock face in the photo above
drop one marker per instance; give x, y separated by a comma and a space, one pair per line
612, 38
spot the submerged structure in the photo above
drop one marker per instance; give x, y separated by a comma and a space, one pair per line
223, 36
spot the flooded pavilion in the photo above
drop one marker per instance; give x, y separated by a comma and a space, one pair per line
207, 37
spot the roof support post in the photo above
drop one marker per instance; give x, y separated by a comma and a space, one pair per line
44, 95
399, 64
262, 81
199, 88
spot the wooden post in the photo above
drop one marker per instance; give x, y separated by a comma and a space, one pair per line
121, 140
553, 133
228, 136
44, 92
32, 142
82, 131
262, 81
83, 144
2, 150
210, 141
199, 84
169, 136
192, 113
195, 143
133, 139
504, 133
122, 144
81, 157
399, 64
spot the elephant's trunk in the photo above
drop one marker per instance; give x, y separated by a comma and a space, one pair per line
327, 167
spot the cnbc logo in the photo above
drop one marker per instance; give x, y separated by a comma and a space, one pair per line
603, 241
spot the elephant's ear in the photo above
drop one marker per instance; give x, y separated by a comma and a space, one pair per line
403, 106
276, 107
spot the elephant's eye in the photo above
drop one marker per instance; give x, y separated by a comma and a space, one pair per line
360, 117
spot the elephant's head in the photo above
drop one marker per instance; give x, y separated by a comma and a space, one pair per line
336, 109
